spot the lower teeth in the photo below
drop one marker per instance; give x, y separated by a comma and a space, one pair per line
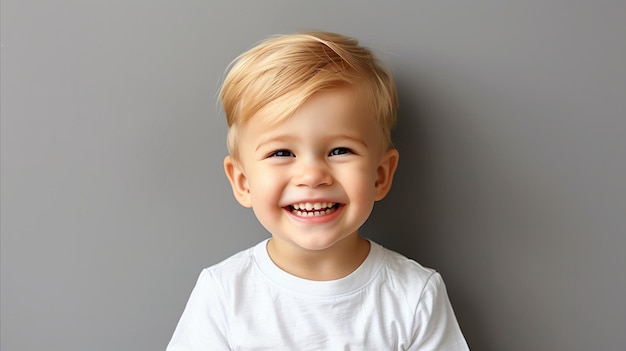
313, 213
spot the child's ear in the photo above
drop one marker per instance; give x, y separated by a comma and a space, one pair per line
385, 172
238, 181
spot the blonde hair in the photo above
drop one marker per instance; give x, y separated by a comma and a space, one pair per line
284, 71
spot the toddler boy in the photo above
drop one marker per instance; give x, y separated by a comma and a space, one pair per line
310, 151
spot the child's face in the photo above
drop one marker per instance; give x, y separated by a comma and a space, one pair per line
312, 180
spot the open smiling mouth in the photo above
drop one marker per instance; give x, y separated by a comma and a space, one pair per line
309, 209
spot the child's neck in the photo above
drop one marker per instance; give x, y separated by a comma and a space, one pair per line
333, 263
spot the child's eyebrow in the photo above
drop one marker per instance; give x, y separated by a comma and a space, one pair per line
273, 139
346, 136
287, 138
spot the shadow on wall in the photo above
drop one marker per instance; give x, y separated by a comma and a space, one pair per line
411, 219
403, 221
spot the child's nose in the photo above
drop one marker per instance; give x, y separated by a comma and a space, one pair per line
312, 173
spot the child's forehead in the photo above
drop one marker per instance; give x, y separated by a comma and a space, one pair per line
325, 117
344, 101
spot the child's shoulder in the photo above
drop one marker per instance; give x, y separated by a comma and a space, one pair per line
404, 271
230, 275
233, 266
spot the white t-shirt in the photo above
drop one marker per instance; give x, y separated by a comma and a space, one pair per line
247, 303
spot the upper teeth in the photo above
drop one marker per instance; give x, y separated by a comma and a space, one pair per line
308, 206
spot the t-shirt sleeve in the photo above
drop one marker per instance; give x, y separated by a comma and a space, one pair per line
436, 327
203, 323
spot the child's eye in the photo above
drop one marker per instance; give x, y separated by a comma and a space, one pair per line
281, 153
339, 151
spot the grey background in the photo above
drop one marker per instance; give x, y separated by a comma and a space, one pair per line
512, 181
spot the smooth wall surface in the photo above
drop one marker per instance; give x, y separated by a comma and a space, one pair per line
512, 180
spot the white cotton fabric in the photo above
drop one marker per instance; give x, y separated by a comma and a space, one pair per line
247, 303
